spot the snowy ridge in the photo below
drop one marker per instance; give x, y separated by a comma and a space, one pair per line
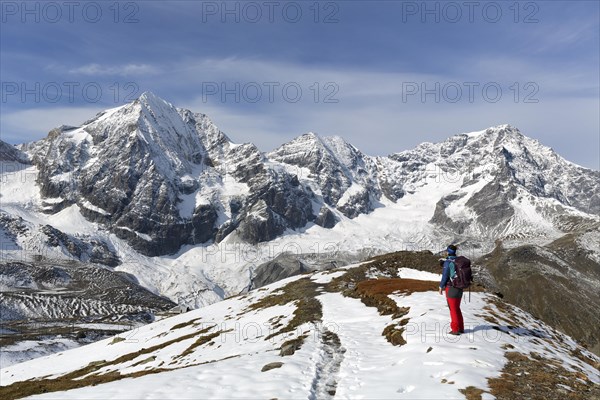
264, 344
189, 175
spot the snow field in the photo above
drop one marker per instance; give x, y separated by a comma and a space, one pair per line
345, 353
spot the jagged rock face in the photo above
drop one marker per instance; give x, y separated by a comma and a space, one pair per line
89, 290
9, 153
281, 267
133, 167
326, 218
495, 172
93, 251
12, 226
123, 169
346, 178
311, 152
274, 202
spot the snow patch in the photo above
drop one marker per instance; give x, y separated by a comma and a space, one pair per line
144, 236
409, 273
94, 208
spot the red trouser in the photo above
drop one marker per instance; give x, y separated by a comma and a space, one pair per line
456, 318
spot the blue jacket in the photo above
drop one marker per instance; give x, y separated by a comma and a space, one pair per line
446, 272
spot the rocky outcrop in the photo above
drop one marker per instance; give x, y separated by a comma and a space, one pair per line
10, 154
93, 251
281, 267
139, 169
345, 178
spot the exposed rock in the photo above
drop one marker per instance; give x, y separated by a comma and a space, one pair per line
162, 177
9, 153
271, 366
90, 251
281, 267
326, 218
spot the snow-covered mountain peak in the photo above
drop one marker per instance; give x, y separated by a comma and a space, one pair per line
312, 150
343, 150
505, 128
509, 145
154, 107
489, 130
152, 100
497, 145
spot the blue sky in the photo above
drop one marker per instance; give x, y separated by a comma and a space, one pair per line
385, 75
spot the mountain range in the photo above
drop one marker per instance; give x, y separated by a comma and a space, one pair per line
159, 199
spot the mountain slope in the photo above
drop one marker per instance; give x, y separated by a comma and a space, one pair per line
534, 277
161, 177
511, 185
315, 336
345, 178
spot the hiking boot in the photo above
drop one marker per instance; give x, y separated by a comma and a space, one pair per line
455, 333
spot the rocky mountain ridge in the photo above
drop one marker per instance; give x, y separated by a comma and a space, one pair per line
160, 178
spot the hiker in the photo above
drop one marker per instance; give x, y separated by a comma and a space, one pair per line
456, 276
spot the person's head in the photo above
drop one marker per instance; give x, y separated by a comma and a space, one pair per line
451, 250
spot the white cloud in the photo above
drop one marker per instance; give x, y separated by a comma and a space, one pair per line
118, 70
557, 36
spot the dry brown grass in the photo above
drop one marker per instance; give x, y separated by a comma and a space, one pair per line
184, 324
70, 381
201, 340
144, 361
421, 260
374, 293
341, 283
509, 321
472, 393
85, 376
117, 339
393, 334
535, 377
586, 359
386, 286
293, 291
302, 292
289, 347
73, 380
